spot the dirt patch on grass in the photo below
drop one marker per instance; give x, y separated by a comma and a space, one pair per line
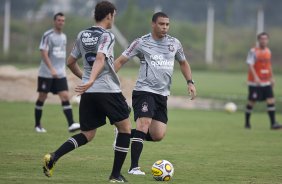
20, 85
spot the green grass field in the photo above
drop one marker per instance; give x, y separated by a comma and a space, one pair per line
204, 146
211, 84
220, 86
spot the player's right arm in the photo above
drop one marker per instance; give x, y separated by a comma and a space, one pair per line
72, 59
130, 52
73, 66
119, 62
251, 59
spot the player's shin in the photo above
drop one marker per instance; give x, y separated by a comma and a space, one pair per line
136, 148
121, 149
248, 112
271, 113
148, 136
38, 112
68, 112
71, 144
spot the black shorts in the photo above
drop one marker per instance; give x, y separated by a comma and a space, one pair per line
260, 93
95, 107
151, 105
53, 85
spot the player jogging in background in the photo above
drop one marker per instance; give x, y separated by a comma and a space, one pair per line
157, 52
101, 95
261, 80
52, 73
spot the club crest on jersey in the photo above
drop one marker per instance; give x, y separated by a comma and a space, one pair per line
255, 95
144, 107
171, 48
43, 86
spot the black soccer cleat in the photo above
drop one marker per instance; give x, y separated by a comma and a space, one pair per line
248, 126
276, 126
120, 179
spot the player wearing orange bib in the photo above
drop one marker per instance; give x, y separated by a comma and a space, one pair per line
260, 80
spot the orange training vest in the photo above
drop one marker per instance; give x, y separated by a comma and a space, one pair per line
262, 65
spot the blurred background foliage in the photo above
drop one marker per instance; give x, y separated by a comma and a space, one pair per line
235, 27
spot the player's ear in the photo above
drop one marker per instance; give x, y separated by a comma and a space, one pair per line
109, 16
153, 24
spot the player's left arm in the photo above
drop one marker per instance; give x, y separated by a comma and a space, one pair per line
272, 79
187, 73
73, 58
104, 45
96, 70
186, 70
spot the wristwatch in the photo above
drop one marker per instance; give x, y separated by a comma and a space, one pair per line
190, 81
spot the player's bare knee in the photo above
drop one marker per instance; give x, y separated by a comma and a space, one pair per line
270, 101
158, 137
42, 97
89, 134
143, 125
124, 126
64, 96
251, 103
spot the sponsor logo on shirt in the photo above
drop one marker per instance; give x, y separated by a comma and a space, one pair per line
88, 39
160, 62
59, 52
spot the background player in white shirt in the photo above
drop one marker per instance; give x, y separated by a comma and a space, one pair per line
52, 73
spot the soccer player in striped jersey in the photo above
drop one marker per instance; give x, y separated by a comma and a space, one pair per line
261, 80
52, 73
101, 95
157, 52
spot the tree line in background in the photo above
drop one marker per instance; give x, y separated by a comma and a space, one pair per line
234, 27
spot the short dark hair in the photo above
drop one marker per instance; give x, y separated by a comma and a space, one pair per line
262, 34
59, 14
102, 9
157, 15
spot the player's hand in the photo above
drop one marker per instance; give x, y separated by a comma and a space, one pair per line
192, 91
80, 89
272, 82
54, 73
257, 80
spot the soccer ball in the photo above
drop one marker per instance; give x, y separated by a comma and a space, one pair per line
230, 107
162, 170
75, 99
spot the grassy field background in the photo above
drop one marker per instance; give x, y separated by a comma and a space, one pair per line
217, 85
204, 146
210, 84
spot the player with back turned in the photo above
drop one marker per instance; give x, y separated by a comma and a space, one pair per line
101, 95
157, 52
261, 80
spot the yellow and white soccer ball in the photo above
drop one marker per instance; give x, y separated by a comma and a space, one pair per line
230, 107
162, 170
